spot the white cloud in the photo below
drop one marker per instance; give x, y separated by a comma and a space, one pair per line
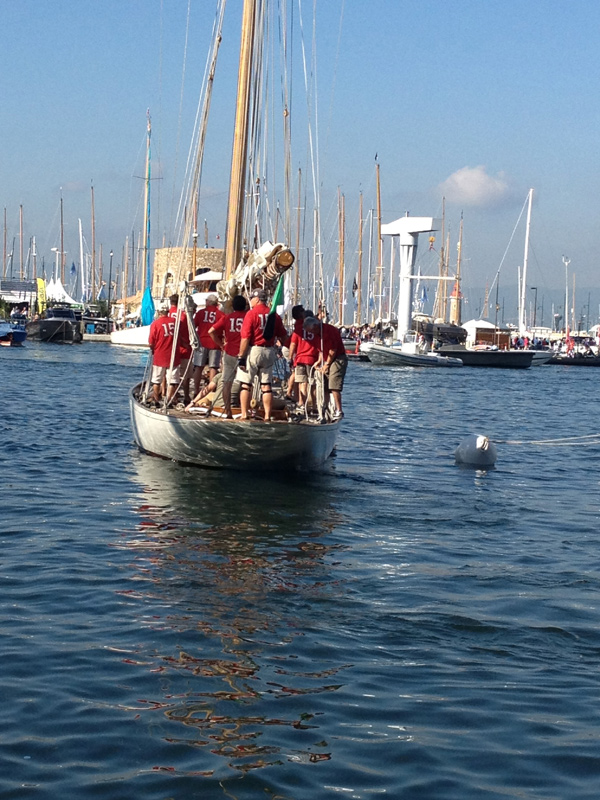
472, 186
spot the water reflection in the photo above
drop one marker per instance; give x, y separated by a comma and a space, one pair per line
235, 580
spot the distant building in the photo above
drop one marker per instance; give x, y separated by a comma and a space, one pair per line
168, 269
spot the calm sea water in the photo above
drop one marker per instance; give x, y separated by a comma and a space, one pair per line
397, 626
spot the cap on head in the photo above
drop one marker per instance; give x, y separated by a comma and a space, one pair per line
260, 294
163, 307
212, 300
310, 322
298, 312
239, 303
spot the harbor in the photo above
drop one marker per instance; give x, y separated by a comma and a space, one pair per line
397, 621
298, 446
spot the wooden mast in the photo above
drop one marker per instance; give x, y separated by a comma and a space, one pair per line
298, 222
235, 211
360, 258
455, 305
146, 258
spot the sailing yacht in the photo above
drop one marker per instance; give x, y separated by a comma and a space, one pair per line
290, 441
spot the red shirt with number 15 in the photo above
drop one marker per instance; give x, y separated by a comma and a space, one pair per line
230, 326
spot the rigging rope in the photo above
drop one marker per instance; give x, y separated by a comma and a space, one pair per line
592, 438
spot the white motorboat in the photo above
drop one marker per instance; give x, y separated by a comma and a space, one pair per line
405, 355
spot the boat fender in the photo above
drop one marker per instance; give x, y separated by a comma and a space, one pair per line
476, 450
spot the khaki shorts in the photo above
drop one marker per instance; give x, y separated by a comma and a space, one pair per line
172, 375
230, 364
206, 355
302, 372
337, 372
260, 362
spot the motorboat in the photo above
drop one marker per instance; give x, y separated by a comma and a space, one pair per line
406, 354
57, 324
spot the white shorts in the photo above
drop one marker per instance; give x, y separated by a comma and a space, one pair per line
172, 375
230, 364
260, 362
206, 355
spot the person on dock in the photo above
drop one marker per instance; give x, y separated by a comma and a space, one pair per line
332, 361
161, 340
226, 334
208, 353
257, 354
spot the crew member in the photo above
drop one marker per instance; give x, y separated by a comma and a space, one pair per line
257, 352
298, 314
161, 342
208, 352
185, 348
226, 334
332, 361
304, 353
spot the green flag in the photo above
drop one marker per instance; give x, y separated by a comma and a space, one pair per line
277, 297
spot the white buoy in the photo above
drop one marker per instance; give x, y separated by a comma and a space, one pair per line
476, 450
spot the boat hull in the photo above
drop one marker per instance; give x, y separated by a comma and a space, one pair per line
578, 360
395, 357
132, 337
54, 329
230, 444
500, 359
11, 335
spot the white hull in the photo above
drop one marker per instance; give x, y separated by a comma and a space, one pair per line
541, 357
134, 337
231, 444
396, 357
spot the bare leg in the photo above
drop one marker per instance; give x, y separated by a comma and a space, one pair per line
187, 368
245, 400
267, 399
227, 399
337, 399
302, 392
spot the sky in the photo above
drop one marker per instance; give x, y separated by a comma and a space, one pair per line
476, 101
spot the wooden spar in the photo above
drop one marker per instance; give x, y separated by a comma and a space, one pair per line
379, 242
21, 242
235, 208
455, 305
360, 257
195, 234
146, 259
93, 282
298, 221
100, 268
